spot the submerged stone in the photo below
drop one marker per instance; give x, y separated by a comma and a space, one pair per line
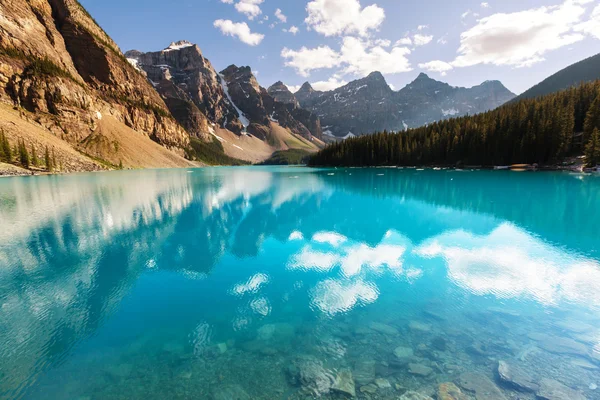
344, 383
481, 385
410, 395
364, 372
449, 391
559, 345
580, 362
554, 390
419, 327
383, 328
383, 383
230, 392
419, 369
516, 377
403, 353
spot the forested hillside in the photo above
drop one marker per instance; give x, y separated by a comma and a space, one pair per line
542, 130
587, 70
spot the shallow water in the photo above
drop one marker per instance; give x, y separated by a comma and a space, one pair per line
291, 283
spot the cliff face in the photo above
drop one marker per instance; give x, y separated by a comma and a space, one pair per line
192, 88
369, 105
58, 64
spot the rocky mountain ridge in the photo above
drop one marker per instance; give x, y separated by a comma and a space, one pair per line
62, 72
369, 105
201, 98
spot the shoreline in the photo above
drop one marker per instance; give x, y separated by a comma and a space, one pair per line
9, 170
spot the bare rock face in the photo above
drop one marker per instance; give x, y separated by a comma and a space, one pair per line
260, 107
60, 65
369, 105
192, 88
282, 94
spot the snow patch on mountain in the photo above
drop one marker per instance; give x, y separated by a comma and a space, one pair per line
450, 112
245, 122
178, 45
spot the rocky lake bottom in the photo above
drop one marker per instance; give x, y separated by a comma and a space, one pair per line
281, 283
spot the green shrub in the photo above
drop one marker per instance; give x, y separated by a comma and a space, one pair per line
211, 153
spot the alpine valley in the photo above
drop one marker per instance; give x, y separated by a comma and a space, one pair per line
74, 102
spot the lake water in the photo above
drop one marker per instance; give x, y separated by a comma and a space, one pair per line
292, 283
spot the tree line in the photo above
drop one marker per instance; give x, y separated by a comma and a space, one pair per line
24, 157
543, 130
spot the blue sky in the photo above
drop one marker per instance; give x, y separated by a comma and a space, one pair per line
462, 43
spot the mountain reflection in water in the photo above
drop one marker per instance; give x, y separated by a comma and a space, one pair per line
215, 282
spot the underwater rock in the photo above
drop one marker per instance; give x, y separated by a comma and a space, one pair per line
419, 327
344, 383
383, 383
553, 390
230, 392
370, 389
574, 326
364, 371
403, 353
585, 364
449, 391
419, 369
559, 345
383, 328
410, 395
516, 377
309, 372
481, 385
439, 343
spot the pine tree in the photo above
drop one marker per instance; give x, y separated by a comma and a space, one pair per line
4, 148
53, 159
120, 164
592, 149
48, 160
34, 157
23, 155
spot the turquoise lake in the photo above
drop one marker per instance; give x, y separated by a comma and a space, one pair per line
296, 283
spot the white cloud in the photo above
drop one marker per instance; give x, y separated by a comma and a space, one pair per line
293, 30
405, 41
306, 60
520, 38
421, 40
436, 66
241, 30
339, 17
356, 56
296, 235
330, 84
332, 238
592, 26
294, 89
421, 27
250, 8
280, 16
510, 263
335, 296
309, 259
485, 5
361, 59
252, 285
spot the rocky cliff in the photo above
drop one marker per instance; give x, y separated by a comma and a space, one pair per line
260, 107
369, 105
63, 71
191, 87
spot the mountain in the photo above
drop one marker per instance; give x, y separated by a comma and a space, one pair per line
584, 71
369, 105
191, 87
228, 106
66, 86
544, 130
